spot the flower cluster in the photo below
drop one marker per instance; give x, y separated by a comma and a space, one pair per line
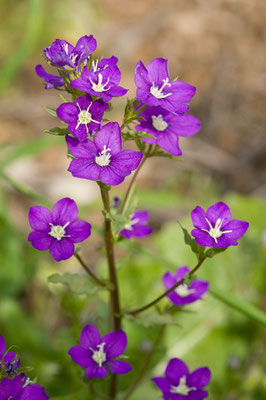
14, 385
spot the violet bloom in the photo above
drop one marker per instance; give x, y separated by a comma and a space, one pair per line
63, 54
10, 362
166, 127
19, 388
101, 83
95, 353
137, 226
84, 116
184, 294
179, 384
57, 230
215, 228
53, 81
155, 88
103, 159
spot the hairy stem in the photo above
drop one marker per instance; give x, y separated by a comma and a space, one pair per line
146, 364
134, 178
88, 270
152, 303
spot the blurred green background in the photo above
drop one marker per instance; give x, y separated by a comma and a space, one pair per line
217, 46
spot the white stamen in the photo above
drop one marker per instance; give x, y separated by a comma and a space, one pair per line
99, 356
58, 231
95, 65
99, 87
103, 159
73, 57
158, 123
184, 290
85, 118
129, 225
158, 93
65, 45
215, 232
182, 387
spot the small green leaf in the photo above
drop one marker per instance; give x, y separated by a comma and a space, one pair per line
79, 284
130, 134
57, 131
196, 248
213, 251
50, 111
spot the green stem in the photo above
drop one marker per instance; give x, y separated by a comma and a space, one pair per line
152, 303
88, 270
146, 364
134, 178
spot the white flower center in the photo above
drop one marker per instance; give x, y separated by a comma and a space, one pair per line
129, 225
158, 123
158, 92
58, 231
184, 291
103, 159
85, 118
182, 387
215, 231
100, 86
99, 356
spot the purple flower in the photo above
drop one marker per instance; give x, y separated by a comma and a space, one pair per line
53, 81
95, 353
103, 159
167, 127
10, 360
155, 88
215, 228
116, 202
98, 66
184, 294
19, 388
57, 230
101, 82
179, 384
63, 54
83, 116
137, 225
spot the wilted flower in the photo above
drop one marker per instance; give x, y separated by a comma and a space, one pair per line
166, 128
155, 88
103, 158
137, 226
184, 294
179, 384
215, 228
95, 353
57, 230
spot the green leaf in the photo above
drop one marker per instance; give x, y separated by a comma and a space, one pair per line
79, 284
57, 131
50, 111
195, 247
130, 134
213, 251
160, 153
242, 306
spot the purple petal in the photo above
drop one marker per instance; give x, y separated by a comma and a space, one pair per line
107, 62
80, 356
142, 216
90, 337
170, 143
127, 161
81, 84
86, 149
53, 81
202, 238
85, 46
168, 280
115, 343
199, 218
197, 395
237, 227
110, 136
11, 387
199, 378
86, 169
117, 91
33, 392
67, 112
39, 218
64, 210
181, 272
141, 76
158, 70
10, 355
2, 346
175, 370
187, 125
100, 372
218, 210
40, 240
224, 241
119, 367
163, 384
78, 231
110, 176
62, 249
90, 371
137, 231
